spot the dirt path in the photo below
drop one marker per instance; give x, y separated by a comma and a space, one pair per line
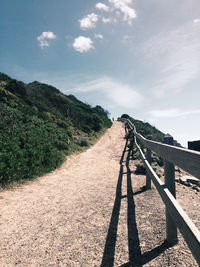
91, 212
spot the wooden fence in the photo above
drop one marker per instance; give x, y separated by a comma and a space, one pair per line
187, 160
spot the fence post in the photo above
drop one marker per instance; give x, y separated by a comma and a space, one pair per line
148, 157
126, 129
171, 229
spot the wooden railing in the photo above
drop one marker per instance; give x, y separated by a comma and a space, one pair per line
187, 160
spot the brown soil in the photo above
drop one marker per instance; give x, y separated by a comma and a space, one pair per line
92, 212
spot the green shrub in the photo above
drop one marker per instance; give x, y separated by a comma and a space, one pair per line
83, 141
4, 77
16, 87
37, 125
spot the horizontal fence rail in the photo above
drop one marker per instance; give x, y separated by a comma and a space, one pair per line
186, 159
189, 161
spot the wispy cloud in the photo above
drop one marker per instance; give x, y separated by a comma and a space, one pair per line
196, 20
126, 39
113, 93
108, 20
89, 21
172, 113
44, 38
175, 56
83, 44
98, 36
118, 93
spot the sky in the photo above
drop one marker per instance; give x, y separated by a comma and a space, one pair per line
139, 57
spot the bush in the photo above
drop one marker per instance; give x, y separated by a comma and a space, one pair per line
4, 77
83, 141
29, 145
16, 87
37, 123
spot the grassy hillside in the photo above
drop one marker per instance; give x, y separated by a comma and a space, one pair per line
39, 125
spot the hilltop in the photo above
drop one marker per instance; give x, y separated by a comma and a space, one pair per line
39, 126
147, 130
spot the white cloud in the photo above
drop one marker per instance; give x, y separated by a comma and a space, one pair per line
44, 37
82, 44
124, 6
106, 20
102, 6
196, 20
117, 93
172, 113
89, 21
109, 20
98, 36
117, 13
115, 8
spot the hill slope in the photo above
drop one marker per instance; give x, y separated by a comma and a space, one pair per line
146, 129
39, 125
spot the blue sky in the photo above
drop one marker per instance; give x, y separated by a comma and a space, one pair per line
140, 57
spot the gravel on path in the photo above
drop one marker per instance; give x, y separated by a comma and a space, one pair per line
93, 211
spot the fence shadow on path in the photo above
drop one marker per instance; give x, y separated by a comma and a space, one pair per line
136, 258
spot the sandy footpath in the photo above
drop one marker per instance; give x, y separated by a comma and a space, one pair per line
91, 212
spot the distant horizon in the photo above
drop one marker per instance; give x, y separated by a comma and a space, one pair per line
136, 57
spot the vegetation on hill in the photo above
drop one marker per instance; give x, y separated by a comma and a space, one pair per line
148, 131
39, 125
145, 129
